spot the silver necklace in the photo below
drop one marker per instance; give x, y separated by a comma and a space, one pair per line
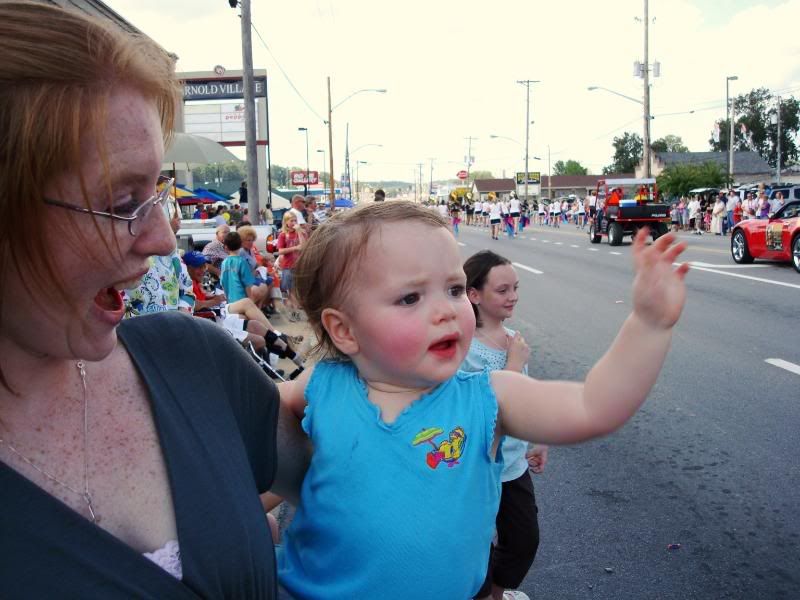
503, 344
87, 497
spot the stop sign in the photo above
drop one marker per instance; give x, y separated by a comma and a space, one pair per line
461, 174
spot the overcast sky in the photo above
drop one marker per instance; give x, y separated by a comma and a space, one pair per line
450, 68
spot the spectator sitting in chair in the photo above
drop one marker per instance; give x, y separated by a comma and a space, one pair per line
248, 325
215, 250
238, 279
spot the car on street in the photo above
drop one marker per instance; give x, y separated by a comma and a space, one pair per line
776, 238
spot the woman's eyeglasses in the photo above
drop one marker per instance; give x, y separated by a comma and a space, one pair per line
139, 214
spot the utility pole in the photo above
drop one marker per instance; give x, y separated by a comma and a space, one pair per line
469, 155
420, 165
729, 109
646, 73
527, 83
249, 109
332, 197
778, 158
347, 161
430, 193
549, 176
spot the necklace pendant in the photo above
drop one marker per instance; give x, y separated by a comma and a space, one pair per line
88, 499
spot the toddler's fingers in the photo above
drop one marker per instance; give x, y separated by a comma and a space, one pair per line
675, 251
682, 270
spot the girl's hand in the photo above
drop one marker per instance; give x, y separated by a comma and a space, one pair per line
518, 353
659, 291
537, 458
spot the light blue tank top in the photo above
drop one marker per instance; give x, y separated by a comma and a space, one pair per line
482, 357
394, 511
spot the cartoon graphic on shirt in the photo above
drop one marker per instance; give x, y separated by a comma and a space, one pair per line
447, 451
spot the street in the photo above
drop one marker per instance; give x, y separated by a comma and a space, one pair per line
709, 462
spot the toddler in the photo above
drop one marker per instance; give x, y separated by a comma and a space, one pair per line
403, 488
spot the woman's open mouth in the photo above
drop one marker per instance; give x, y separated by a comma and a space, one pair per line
109, 305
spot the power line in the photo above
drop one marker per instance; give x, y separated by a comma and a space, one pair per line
286, 75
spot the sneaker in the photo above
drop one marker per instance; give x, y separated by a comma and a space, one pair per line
515, 595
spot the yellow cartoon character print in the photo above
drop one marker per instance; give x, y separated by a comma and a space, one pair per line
447, 451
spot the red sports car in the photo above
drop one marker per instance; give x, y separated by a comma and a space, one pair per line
776, 238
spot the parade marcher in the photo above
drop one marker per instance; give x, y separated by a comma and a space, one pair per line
395, 321
581, 212
555, 213
514, 211
495, 219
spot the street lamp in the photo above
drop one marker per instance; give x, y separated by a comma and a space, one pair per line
305, 129
365, 146
330, 130
729, 110
647, 118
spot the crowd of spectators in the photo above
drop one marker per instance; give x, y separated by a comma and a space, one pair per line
232, 283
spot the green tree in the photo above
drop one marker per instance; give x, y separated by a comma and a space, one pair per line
280, 176
677, 180
627, 154
208, 175
480, 175
756, 110
669, 143
570, 167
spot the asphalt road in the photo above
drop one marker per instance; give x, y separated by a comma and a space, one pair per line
709, 462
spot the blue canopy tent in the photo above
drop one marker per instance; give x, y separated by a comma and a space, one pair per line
206, 195
343, 203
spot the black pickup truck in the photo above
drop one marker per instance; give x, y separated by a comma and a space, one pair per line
627, 206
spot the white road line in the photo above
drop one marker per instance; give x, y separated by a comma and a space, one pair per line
615, 253
558, 243
532, 238
761, 279
574, 246
461, 244
527, 268
593, 250
545, 241
702, 264
784, 364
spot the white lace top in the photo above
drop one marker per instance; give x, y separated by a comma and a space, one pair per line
168, 558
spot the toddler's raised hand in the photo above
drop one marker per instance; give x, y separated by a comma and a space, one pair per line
659, 291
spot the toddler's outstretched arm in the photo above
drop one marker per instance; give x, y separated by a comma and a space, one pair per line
560, 412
